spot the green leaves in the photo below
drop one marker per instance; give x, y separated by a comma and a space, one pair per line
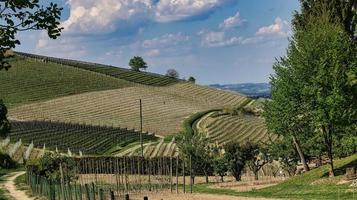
4, 123
23, 15
137, 63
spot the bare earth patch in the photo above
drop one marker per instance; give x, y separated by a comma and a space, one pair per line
9, 186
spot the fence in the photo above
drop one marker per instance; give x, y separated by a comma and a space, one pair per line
114, 177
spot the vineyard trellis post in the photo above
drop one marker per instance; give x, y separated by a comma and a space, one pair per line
141, 128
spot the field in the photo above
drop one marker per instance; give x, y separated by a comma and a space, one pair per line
164, 108
74, 137
31, 81
222, 127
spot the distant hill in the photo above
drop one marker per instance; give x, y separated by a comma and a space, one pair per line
253, 90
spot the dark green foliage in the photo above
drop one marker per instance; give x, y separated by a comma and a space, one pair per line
342, 12
50, 165
192, 79
220, 163
23, 15
259, 157
137, 63
4, 123
237, 156
6, 162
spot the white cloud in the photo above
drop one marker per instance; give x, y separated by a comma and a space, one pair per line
278, 28
173, 10
232, 22
219, 39
102, 16
153, 53
165, 41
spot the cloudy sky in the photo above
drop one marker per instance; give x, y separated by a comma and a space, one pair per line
216, 41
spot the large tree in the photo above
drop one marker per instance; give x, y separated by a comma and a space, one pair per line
24, 15
137, 63
343, 12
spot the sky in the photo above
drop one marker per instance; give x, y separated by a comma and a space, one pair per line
215, 41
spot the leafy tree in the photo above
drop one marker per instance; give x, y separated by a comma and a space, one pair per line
343, 12
4, 123
237, 156
192, 79
172, 73
50, 166
285, 115
6, 162
220, 163
259, 157
137, 63
195, 148
23, 15
283, 151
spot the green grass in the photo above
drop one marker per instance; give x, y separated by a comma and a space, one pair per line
29, 81
311, 185
144, 78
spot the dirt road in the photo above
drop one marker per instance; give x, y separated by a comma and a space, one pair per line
9, 186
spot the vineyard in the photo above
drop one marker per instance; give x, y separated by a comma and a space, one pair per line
164, 108
224, 128
73, 137
31, 81
144, 78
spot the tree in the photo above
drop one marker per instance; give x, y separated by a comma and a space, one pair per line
172, 73
328, 54
285, 115
195, 148
192, 79
237, 156
24, 15
220, 163
259, 157
4, 123
137, 63
343, 12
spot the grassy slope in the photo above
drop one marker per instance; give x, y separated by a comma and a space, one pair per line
31, 81
311, 185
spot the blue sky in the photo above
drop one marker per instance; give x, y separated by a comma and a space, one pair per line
216, 41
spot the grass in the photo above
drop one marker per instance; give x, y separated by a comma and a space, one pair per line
4, 172
312, 185
29, 81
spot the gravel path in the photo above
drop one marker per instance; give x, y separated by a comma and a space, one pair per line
9, 186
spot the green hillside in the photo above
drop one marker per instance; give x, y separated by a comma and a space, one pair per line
29, 81
145, 78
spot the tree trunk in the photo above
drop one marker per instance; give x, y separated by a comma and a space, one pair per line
301, 153
328, 142
222, 179
207, 178
256, 177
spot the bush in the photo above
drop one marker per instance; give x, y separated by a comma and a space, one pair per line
6, 162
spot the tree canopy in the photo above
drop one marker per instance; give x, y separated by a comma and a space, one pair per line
4, 123
137, 63
24, 15
172, 73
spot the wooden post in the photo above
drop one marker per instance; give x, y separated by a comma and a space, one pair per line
101, 194
141, 129
191, 181
87, 191
112, 197
94, 191
62, 179
177, 163
184, 177
171, 174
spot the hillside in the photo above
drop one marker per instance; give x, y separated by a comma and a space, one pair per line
29, 81
164, 108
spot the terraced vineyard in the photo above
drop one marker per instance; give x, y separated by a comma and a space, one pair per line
30, 81
164, 108
151, 150
226, 128
75, 137
144, 78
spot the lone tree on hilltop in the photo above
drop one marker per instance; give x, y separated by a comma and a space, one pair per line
172, 73
24, 15
4, 123
192, 79
137, 63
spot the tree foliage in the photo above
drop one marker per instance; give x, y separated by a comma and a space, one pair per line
4, 122
23, 15
50, 166
137, 63
259, 157
192, 79
237, 156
